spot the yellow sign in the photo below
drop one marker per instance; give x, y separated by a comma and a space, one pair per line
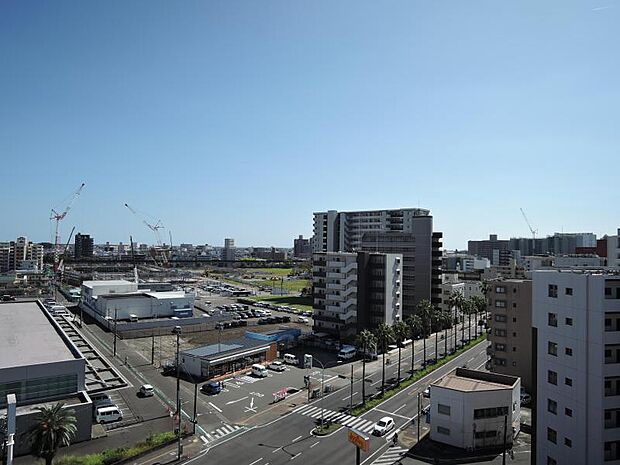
362, 442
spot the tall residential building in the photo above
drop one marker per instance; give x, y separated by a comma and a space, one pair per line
84, 245
510, 319
576, 335
613, 250
343, 231
15, 254
228, 252
495, 250
302, 248
354, 291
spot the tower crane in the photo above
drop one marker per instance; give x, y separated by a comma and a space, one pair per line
58, 217
532, 230
155, 227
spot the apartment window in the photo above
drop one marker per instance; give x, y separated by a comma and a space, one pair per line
568, 351
514, 334
500, 332
514, 319
552, 435
443, 409
500, 362
612, 353
612, 418
553, 290
442, 430
500, 318
568, 381
500, 303
612, 450
500, 290
568, 442
569, 322
485, 434
552, 406
552, 319
514, 349
568, 412
552, 348
568, 291
500, 347
492, 412
612, 386
552, 377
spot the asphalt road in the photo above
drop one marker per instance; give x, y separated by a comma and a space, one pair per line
289, 437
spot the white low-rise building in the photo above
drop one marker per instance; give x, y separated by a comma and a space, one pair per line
123, 300
472, 409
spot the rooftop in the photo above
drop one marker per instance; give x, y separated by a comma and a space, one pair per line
465, 380
226, 348
28, 337
111, 282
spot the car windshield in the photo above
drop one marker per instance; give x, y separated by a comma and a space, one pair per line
381, 423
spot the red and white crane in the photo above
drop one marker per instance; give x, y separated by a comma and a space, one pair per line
58, 217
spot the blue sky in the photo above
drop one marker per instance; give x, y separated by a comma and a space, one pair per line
239, 119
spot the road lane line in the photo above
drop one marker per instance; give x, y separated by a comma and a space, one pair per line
303, 407
349, 396
314, 444
295, 456
256, 461
274, 451
215, 407
235, 401
297, 438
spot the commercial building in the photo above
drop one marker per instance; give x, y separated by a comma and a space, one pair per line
269, 253
302, 248
355, 291
84, 246
13, 255
123, 299
510, 321
576, 334
473, 409
613, 250
40, 365
228, 252
495, 250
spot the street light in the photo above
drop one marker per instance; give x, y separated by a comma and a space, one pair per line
323, 367
177, 330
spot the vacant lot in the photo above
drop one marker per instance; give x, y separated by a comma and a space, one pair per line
300, 303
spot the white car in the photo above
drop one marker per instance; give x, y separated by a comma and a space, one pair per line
276, 366
427, 392
383, 426
146, 390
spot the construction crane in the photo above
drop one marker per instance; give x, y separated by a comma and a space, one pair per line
58, 217
532, 230
155, 227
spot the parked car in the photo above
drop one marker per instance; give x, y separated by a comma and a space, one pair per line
146, 390
291, 359
101, 399
169, 368
302, 319
427, 392
276, 366
108, 414
212, 387
383, 426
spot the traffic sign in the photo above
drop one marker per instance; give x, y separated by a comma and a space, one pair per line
359, 439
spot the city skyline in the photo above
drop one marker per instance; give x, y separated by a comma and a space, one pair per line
242, 120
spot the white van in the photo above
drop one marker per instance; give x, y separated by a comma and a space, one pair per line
133, 317
59, 310
291, 359
347, 353
259, 370
108, 414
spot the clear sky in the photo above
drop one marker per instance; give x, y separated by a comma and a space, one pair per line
239, 119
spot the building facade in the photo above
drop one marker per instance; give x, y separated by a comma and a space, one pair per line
576, 336
84, 246
495, 250
613, 250
228, 252
302, 248
13, 255
510, 320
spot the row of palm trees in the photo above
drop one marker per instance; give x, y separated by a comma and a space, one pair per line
427, 319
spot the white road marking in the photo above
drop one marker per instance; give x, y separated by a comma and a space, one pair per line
295, 456
349, 396
235, 401
297, 438
256, 461
402, 406
215, 407
274, 451
314, 444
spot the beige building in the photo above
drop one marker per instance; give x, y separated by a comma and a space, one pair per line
510, 320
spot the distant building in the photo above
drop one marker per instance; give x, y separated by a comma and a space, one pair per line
13, 253
576, 339
495, 250
269, 253
84, 246
613, 250
302, 248
473, 409
228, 252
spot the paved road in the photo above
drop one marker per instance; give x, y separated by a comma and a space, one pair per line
288, 438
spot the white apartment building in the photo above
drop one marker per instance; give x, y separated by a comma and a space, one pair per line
613, 250
342, 231
576, 346
13, 255
472, 409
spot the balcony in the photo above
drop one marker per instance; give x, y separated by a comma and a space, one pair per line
319, 274
335, 286
318, 307
319, 263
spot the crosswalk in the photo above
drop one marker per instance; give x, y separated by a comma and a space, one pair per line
350, 421
391, 455
219, 433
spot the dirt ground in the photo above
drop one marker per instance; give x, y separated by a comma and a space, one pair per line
211, 337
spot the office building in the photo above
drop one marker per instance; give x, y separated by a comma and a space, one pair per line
495, 250
228, 252
355, 291
40, 365
473, 409
83, 248
576, 336
302, 248
510, 321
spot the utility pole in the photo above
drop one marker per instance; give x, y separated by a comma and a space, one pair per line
177, 331
195, 407
505, 428
351, 401
419, 418
152, 348
358, 458
115, 315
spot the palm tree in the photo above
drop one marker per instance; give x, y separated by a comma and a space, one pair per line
469, 309
401, 331
384, 335
54, 427
414, 323
480, 305
456, 300
446, 322
366, 341
425, 310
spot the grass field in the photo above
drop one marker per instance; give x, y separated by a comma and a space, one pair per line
300, 303
270, 271
292, 285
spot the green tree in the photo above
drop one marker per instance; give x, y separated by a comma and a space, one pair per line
425, 309
401, 332
414, 323
446, 322
366, 342
480, 304
456, 300
54, 427
384, 336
